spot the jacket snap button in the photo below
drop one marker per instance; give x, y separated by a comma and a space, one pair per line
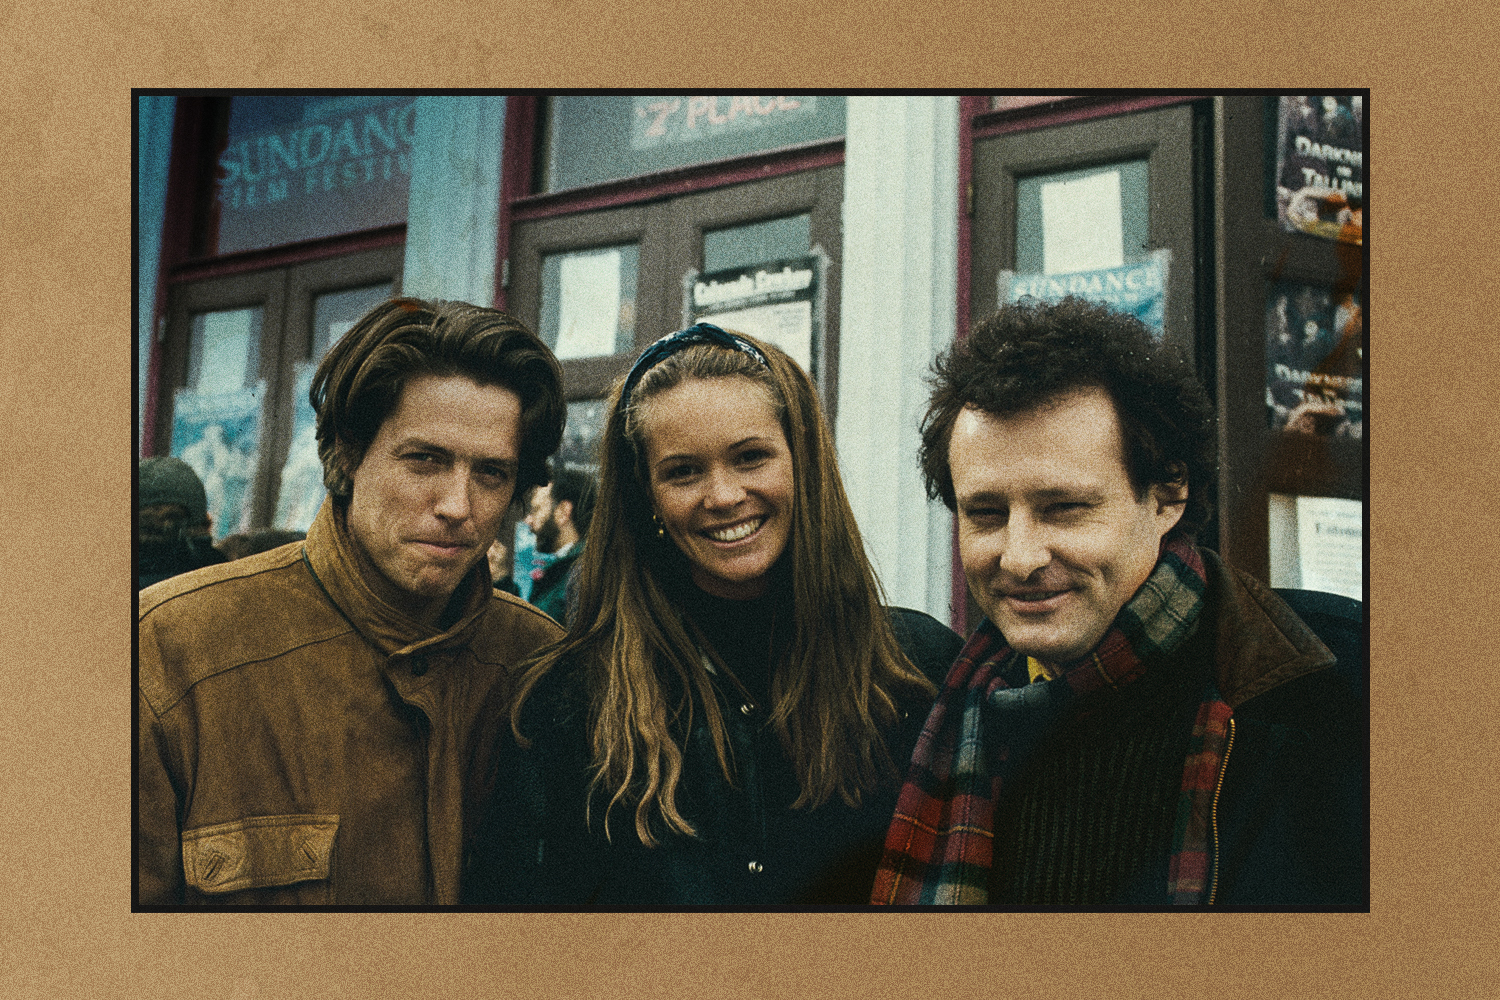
756, 868
746, 709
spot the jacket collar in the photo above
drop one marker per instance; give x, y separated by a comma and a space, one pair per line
330, 552
1262, 643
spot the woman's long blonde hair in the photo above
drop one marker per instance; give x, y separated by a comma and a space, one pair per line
833, 694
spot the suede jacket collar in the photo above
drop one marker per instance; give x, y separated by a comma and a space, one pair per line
330, 553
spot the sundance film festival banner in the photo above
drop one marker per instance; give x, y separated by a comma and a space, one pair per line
1138, 289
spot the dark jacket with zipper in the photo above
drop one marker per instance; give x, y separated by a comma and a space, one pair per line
536, 848
1291, 822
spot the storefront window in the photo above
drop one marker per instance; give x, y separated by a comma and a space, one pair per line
217, 417
757, 243
223, 350
1080, 220
590, 140
335, 312
301, 492
761, 279
1087, 232
588, 301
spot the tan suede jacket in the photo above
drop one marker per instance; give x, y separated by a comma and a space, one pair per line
302, 742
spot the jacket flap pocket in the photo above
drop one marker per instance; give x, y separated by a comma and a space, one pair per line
257, 852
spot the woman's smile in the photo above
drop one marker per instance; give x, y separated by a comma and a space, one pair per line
721, 480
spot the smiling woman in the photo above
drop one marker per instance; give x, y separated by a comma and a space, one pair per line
730, 681
721, 481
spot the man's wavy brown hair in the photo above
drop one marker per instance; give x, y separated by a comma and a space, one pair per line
360, 380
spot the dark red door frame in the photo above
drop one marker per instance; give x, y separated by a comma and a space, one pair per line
190, 148
518, 203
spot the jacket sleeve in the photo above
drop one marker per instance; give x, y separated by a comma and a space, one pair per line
928, 643
532, 847
158, 846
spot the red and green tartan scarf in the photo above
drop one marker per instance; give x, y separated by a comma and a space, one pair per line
939, 846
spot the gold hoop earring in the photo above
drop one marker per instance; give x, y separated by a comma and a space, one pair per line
661, 531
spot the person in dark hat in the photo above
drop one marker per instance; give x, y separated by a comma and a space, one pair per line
171, 522
250, 543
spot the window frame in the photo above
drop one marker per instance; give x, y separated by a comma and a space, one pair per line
667, 212
1253, 458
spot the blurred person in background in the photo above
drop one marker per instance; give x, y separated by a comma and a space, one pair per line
172, 527
559, 516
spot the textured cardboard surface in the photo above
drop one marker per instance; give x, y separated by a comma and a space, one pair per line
66, 355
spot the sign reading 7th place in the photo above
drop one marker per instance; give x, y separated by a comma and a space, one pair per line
661, 121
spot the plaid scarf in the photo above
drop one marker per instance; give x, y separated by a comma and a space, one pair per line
939, 846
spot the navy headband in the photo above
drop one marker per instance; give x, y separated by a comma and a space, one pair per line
698, 333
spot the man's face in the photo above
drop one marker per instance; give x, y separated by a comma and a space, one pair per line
541, 518
433, 487
1052, 537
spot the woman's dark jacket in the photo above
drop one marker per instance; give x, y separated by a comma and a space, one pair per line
534, 847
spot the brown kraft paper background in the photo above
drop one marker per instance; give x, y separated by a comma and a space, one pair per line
66, 355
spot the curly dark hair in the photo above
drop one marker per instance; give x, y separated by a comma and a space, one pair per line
1031, 352
362, 376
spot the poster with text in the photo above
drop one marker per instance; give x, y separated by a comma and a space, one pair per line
1138, 289
1314, 361
773, 301
219, 436
1320, 166
1330, 545
298, 167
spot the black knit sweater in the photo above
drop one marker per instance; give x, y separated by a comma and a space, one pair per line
1088, 820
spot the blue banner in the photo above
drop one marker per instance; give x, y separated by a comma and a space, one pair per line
1138, 289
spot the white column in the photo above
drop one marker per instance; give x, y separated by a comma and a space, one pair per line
153, 122
453, 206
898, 309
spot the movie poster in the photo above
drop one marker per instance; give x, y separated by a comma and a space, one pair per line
1314, 361
1320, 166
219, 436
1138, 289
302, 475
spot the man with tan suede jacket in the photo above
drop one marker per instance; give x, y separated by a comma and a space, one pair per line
314, 721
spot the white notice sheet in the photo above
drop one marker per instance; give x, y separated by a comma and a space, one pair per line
1081, 224
589, 312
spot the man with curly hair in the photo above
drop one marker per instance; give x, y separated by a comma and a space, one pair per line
1134, 722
